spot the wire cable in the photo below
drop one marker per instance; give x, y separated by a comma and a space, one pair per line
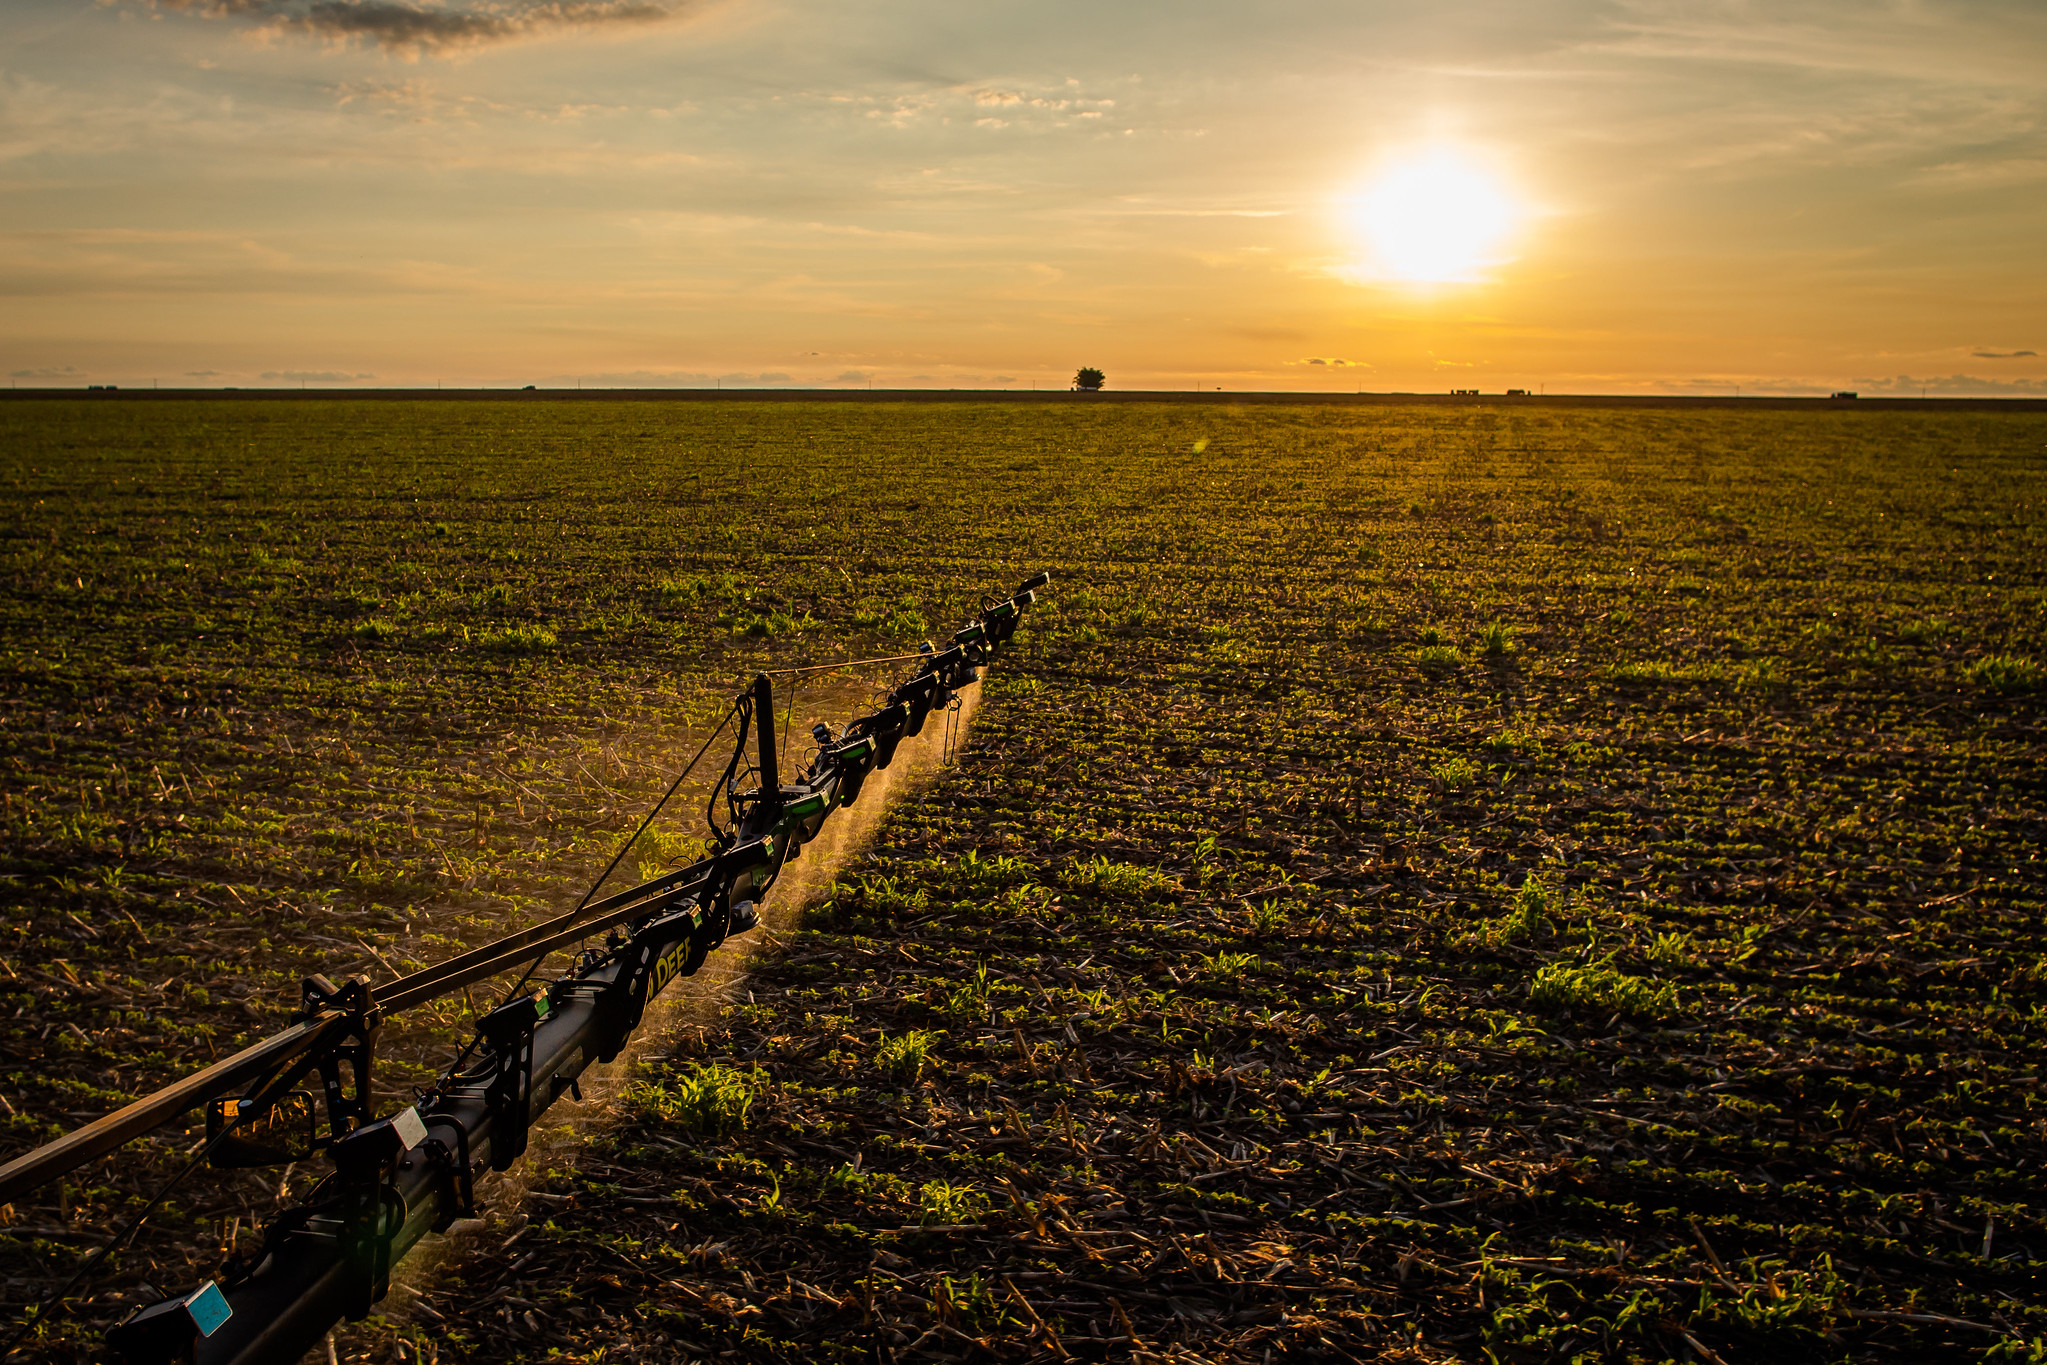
843, 663
788, 723
609, 867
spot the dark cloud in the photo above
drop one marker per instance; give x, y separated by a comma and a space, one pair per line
315, 376
854, 377
413, 30
2003, 355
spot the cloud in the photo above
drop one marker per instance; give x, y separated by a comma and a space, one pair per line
315, 376
48, 372
414, 30
854, 377
204, 374
658, 379
1005, 379
1331, 360
1952, 386
2002, 355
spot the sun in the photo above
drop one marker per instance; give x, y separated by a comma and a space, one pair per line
1437, 216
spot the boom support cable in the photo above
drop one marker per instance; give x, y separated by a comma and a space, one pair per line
616, 858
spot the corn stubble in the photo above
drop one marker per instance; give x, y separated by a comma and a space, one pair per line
1428, 884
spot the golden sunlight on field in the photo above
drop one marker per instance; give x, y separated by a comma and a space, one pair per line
1438, 215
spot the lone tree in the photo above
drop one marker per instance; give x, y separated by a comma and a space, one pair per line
1089, 378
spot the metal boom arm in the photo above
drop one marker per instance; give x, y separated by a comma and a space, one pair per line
400, 1177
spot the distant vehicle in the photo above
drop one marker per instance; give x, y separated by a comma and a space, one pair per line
1517, 393
1464, 393
106, 387
527, 389
1845, 393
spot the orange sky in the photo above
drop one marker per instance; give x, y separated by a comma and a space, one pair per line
1621, 197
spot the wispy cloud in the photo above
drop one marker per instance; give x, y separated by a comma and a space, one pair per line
662, 379
48, 372
316, 376
1953, 386
2002, 355
412, 30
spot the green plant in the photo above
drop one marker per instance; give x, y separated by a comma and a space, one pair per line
1560, 985
943, 1202
376, 628
1760, 675
2019, 1350
2007, 673
1783, 1306
680, 590
710, 1098
745, 623
1657, 671
904, 1057
1437, 658
1454, 773
519, 640
1109, 878
972, 1302
1000, 870
893, 896
1526, 918
845, 1178
1496, 641
901, 619
1529, 916
1923, 631
1672, 950
1225, 966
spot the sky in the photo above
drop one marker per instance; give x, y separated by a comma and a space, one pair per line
1571, 196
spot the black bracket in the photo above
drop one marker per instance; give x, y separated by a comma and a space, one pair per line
371, 1208
885, 728
508, 1033
919, 694
459, 1199
355, 1050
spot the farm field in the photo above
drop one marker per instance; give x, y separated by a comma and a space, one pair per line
1429, 884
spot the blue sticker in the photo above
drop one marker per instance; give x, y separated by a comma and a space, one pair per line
208, 1307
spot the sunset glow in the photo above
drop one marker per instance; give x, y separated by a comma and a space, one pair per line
1437, 217
1638, 198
